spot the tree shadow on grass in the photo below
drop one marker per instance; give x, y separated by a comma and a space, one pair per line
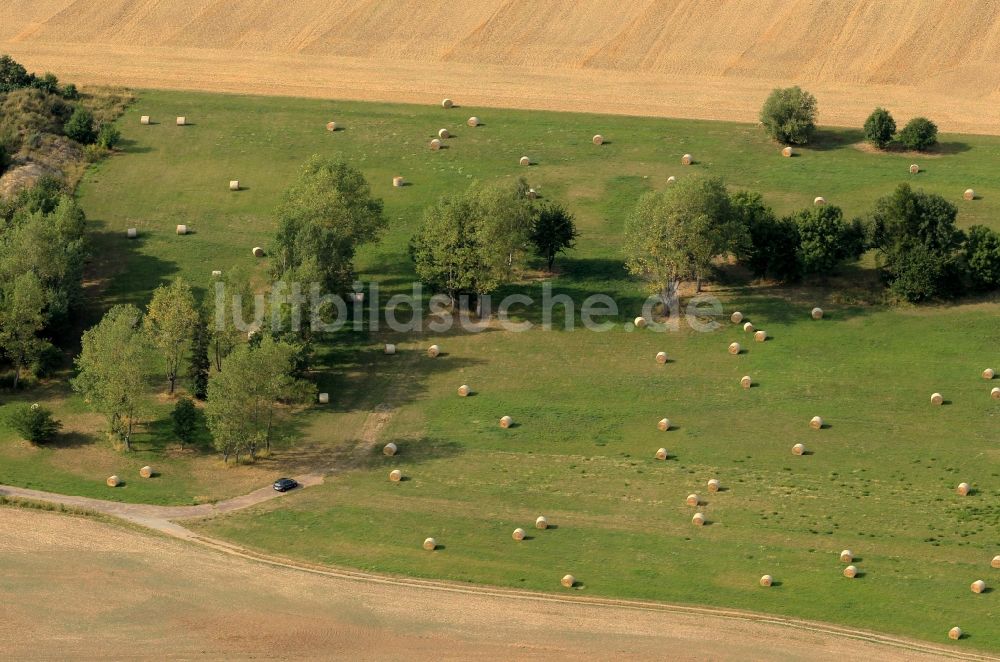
829, 139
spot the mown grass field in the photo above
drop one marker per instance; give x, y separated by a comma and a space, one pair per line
880, 480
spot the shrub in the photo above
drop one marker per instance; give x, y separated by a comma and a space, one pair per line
553, 231
880, 128
13, 75
70, 92
34, 423
47, 83
80, 126
826, 240
108, 136
185, 418
982, 257
919, 133
789, 115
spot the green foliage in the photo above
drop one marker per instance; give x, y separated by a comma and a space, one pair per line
323, 218
918, 242
108, 136
242, 400
70, 92
28, 111
982, 257
185, 420
171, 321
474, 241
47, 83
22, 318
13, 75
880, 128
826, 240
34, 423
919, 133
771, 246
789, 115
553, 231
200, 366
80, 126
111, 374
672, 236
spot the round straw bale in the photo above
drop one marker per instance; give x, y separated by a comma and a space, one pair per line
936, 399
181, 121
435, 145
113, 481
955, 633
851, 571
736, 317
640, 322
525, 161
698, 519
258, 251
969, 194
324, 398
430, 544
846, 556
692, 500
663, 425
671, 180
995, 393
506, 422
817, 313
760, 336
433, 351
787, 152
816, 422
746, 382
978, 586
734, 348
144, 119
819, 201
598, 139
398, 181
687, 159
914, 169
532, 194
132, 233
464, 390
714, 485
473, 121
443, 134
234, 185
518, 534
963, 489
447, 103
995, 562
661, 357
395, 475
798, 449
541, 522
146, 472
182, 229
390, 348
331, 126
748, 327
390, 449
216, 274
568, 581
661, 454
766, 580
988, 374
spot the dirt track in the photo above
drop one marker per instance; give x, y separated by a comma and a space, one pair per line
81, 588
679, 58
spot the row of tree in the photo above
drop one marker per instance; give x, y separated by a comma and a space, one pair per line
676, 235
789, 116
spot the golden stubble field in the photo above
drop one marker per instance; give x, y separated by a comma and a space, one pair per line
678, 58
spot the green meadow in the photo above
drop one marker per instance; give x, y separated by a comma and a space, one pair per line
879, 479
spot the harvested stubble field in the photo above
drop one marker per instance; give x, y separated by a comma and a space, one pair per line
880, 480
676, 58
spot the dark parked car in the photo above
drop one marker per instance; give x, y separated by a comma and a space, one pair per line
285, 484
